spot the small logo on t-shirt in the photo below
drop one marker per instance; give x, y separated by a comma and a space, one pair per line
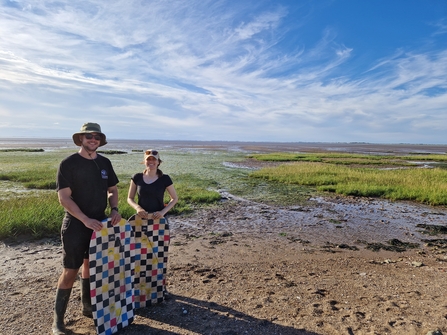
104, 174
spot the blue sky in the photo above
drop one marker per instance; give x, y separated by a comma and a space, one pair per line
253, 70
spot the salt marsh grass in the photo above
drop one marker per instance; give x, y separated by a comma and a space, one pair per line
28, 200
36, 215
425, 185
351, 159
29, 205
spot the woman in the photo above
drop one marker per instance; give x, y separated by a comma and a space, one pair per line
150, 187
150, 281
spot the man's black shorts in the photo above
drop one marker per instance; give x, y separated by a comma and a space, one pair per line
75, 238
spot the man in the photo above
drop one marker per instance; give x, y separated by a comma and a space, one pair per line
85, 182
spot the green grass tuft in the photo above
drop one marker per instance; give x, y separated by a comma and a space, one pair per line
422, 185
36, 215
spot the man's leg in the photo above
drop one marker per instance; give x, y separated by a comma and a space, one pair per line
64, 287
85, 290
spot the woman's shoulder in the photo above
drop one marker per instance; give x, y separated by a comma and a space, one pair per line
166, 178
137, 176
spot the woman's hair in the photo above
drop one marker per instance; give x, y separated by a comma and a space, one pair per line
159, 172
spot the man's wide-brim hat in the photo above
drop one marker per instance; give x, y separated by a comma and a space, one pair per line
89, 127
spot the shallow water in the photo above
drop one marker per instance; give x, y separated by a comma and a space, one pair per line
126, 145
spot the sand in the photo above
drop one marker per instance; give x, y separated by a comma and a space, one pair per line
248, 268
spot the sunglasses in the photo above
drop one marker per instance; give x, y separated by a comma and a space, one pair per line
151, 152
89, 136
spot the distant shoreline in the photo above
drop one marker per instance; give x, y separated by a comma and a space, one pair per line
126, 144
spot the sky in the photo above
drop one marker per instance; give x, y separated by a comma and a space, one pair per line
216, 70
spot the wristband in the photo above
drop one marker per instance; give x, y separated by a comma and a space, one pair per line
115, 209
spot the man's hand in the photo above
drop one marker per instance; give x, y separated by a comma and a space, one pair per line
93, 224
115, 216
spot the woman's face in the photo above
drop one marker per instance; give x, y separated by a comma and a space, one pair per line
152, 162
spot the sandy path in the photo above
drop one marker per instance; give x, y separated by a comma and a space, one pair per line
247, 268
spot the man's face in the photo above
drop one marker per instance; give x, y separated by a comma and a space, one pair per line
90, 141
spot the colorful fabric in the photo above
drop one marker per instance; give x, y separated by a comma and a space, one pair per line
112, 261
151, 258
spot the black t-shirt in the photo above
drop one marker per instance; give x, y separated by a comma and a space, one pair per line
88, 180
150, 196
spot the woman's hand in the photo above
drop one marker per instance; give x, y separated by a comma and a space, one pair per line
142, 213
145, 215
157, 215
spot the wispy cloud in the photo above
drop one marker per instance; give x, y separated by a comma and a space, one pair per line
209, 70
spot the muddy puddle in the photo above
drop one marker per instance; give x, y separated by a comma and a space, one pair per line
337, 222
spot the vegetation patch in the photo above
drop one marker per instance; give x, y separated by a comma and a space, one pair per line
201, 178
432, 229
36, 215
349, 159
436, 243
42, 178
21, 150
111, 152
37, 212
393, 245
293, 239
416, 184
331, 246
